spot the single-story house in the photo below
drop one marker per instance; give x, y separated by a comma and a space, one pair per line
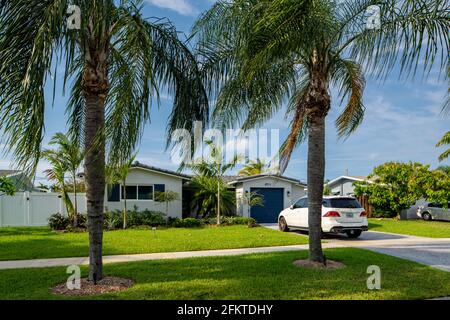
141, 184
21, 181
278, 192
343, 185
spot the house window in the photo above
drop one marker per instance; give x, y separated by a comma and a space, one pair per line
145, 192
139, 192
131, 192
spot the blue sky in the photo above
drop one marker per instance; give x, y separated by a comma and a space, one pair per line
402, 120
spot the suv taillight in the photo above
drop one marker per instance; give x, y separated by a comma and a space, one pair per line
363, 214
332, 214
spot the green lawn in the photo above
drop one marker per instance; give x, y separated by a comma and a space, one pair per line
431, 229
256, 276
35, 243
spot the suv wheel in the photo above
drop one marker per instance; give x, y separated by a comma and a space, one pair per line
427, 216
282, 225
353, 234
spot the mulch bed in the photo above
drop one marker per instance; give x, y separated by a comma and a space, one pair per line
331, 264
106, 285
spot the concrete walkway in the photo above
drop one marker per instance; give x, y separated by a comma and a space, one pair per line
430, 251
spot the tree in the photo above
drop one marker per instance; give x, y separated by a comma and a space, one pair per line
72, 156
253, 168
326, 190
397, 186
208, 177
257, 54
167, 197
445, 169
7, 186
444, 141
113, 64
118, 173
57, 174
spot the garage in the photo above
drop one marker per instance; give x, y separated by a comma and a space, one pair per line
273, 205
277, 191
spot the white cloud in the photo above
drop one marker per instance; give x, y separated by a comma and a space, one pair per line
183, 7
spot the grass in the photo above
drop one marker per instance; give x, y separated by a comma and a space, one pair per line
255, 276
37, 243
420, 228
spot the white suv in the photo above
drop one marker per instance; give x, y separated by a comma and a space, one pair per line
339, 215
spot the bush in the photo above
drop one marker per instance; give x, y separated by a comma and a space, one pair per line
58, 221
114, 219
186, 223
233, 220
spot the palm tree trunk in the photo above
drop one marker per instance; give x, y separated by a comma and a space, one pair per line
124, 205
75, 206
316, 169
318, 105
95, 86
218, 202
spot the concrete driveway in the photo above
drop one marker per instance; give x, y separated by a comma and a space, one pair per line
434, 252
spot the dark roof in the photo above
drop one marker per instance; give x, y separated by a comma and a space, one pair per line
8, 172
237, 179
173, 173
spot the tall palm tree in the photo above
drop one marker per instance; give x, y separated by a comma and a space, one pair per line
70, 153
257, 54
118, 173
253, 168
113, 64
444, 141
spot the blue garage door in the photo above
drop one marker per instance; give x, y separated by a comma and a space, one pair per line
273, 204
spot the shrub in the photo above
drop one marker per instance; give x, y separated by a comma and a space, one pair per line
186, 223
112, 220
58, 221
233, 220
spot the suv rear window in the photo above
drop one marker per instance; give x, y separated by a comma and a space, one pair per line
341, 203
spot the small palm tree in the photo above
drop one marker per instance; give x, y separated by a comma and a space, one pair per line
167, 197
113, 65
211, 172
57, 174
253, 168
257, 54
118, 173
69, 153
7, 186
444, 141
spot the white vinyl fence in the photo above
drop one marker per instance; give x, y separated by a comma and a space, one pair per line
34, 208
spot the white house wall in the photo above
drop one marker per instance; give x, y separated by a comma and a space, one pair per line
291, 192
138, 176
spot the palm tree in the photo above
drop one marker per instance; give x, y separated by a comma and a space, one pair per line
211, 196
209, 173
57, 174
253, 168
166, 197
117, 173
70, 153
113, 64
257, 54
444, 141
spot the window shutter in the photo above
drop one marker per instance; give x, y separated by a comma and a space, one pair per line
160, 187
114, 193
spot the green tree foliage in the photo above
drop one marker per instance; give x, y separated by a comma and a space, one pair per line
444, 141
211, 191
396, 186
167, 197
118, 173
253, 168
7, 186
